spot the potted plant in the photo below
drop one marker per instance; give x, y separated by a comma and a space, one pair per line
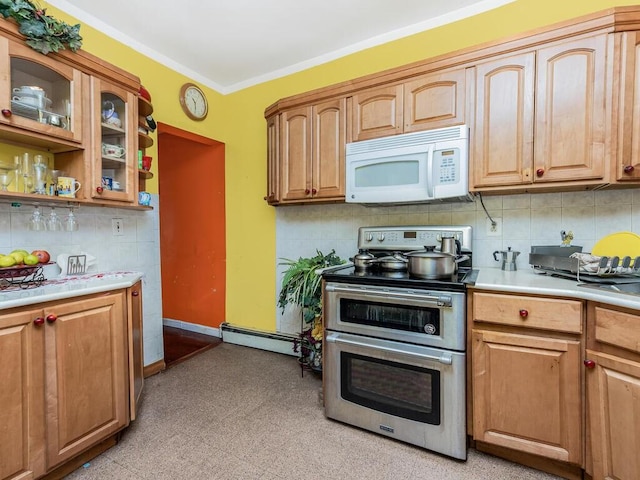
302, 286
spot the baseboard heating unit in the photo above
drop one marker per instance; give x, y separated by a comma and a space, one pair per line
271, 341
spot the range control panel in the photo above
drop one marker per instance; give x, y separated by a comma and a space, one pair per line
412, 237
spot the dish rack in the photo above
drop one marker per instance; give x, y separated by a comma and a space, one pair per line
589, 268
21, 277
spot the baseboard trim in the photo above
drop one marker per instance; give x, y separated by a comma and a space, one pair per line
153, 368
271, 341
192, 327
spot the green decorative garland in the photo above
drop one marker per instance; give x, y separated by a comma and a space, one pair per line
44, 33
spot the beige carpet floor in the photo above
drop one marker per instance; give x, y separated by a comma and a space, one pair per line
235, 412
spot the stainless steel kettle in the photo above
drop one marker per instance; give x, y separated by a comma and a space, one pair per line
508, 258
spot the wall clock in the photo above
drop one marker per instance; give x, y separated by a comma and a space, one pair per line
193, 101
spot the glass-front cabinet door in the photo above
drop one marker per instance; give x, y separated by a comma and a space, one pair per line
114, 113
40, 94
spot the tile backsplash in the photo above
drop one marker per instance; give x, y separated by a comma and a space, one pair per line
138, 249
527, 219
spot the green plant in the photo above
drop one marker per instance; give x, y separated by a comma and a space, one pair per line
301, 285
44, 33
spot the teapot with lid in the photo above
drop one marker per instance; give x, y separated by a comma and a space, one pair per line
508, 258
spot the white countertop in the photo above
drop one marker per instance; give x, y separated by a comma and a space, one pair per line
528, 281
67, 287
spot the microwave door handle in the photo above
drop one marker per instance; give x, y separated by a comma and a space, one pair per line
445, 358
430, 170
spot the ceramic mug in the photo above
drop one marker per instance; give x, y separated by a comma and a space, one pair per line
107, 183
144, 198
112, 150
68, 186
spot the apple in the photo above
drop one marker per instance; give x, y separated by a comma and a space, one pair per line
43, 255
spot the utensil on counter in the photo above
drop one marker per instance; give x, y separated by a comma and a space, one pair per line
508, 260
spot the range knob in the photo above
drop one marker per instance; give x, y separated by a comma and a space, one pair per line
368, 237
381, 237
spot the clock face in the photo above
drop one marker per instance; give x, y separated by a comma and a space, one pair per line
193, 101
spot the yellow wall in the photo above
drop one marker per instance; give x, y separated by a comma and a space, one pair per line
237, 120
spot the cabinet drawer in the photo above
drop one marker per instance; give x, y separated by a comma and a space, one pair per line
617, 328
525, 311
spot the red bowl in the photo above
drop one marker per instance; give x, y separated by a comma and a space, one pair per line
144, 93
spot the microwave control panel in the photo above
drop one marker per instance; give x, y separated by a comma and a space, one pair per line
446, 164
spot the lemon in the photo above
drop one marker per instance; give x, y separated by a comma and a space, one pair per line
7, 261
18, 250
31, 260
18, 257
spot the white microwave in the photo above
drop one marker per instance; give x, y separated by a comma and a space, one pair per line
419, 167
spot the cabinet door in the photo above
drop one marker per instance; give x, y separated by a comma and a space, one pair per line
436, 100
527, 394
628, 162
296, 154
135, 343
613, 392
273, 160
502, 140
571, 110
115, 131
377, 112
21, 396
86, 383
329, 140
41, 94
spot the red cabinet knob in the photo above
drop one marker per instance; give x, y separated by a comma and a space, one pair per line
135, 293
540, 172
307, 191
99, 189
628, 169
51, 318
6, 113
314, 191
589, 363
38, 321
523, 313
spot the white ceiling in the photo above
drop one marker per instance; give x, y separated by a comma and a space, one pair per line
230, 45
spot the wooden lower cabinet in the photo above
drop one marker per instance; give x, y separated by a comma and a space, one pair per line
527, 393
613, 392
21, 396
65, 381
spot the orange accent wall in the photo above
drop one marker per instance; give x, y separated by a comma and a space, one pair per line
191, 179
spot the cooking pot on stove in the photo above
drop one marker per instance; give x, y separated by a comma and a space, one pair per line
362, 260
429, 264
392, 263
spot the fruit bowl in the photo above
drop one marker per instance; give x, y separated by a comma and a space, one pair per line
21, 276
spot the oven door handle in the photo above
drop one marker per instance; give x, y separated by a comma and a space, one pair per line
439, 301
445, 358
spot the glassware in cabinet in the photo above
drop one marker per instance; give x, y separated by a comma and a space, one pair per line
116, 143
40, 94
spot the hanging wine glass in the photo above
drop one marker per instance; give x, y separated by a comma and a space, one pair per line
54, 223
71, 225
36, 222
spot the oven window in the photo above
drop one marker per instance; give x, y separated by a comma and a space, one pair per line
407, 318
401, 390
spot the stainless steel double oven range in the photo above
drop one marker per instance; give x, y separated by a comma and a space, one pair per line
394, 355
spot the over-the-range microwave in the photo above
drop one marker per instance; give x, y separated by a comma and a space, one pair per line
419, 167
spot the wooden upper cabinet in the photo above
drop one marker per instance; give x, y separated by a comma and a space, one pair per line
311, 152
571, 110
295, 153
433, 100
502, 147
329, 143
628, 152
377, 112
541, 116
436, 100
273, 160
